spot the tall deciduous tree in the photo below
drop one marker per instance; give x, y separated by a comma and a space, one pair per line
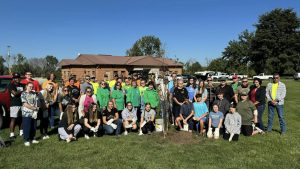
237, 53
276, 43
147, 46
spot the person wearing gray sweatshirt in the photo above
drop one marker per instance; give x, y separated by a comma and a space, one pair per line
233, 123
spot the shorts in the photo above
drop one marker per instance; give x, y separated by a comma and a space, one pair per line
15, 111
247, 130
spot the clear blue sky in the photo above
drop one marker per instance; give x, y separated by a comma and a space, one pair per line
188, 28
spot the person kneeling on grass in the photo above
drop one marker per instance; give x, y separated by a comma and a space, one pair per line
185, 116
92, 121
201, 111
147, 120
129, 118
215, 121
248, 112
69, 125
233, 122
111, 121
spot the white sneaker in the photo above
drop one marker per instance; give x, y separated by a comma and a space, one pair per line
21, 133
125, 133
12, 135
141, 133
27, 143
86, 136
46, 137
35, 142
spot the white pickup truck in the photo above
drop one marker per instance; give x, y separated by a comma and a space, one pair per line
262, 76
239, 76
219, 75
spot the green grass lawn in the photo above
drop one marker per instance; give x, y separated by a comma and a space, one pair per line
153, 151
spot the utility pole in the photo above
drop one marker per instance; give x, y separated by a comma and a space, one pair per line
8, 59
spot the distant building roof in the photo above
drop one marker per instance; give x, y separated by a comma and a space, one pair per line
89, 59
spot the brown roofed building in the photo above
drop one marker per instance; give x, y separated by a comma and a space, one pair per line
99, 65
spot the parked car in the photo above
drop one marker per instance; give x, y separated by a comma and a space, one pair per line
219, 75
238, 75
5, 97
262, 76
297, 76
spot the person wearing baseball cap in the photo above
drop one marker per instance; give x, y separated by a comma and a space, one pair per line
248, 112
226, 89
15, 89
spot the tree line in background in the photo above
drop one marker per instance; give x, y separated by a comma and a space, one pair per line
273, 47
39, 67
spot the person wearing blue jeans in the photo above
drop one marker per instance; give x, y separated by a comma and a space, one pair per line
108, 129
29, 128
111, 121
275, 94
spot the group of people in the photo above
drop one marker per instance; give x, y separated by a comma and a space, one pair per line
131, 104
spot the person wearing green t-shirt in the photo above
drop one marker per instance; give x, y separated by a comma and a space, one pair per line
151, 96
118, 97
142, 89
133, 96
103, 95
248, 112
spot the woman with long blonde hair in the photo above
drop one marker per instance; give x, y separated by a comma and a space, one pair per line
69, 125
46, 101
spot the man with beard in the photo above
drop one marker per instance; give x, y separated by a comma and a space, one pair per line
243, 88
225, 89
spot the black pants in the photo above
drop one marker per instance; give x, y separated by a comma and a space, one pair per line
44, 123
87, 131
148, 127
235, 137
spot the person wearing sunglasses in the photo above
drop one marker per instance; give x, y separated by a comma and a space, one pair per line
85, 101
103, 94
86, 84
94, 84
225, 89
275, 93
243, 88
129, 117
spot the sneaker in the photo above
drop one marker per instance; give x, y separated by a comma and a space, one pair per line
125, 133
86, 136
95, 135
141, 133
181, 129
21, 133
27, 143
149, 132
45, 137
35, 142
12, 136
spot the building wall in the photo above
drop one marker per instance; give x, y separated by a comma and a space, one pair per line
100, 71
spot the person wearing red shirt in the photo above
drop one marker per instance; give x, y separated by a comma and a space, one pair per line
28, 78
